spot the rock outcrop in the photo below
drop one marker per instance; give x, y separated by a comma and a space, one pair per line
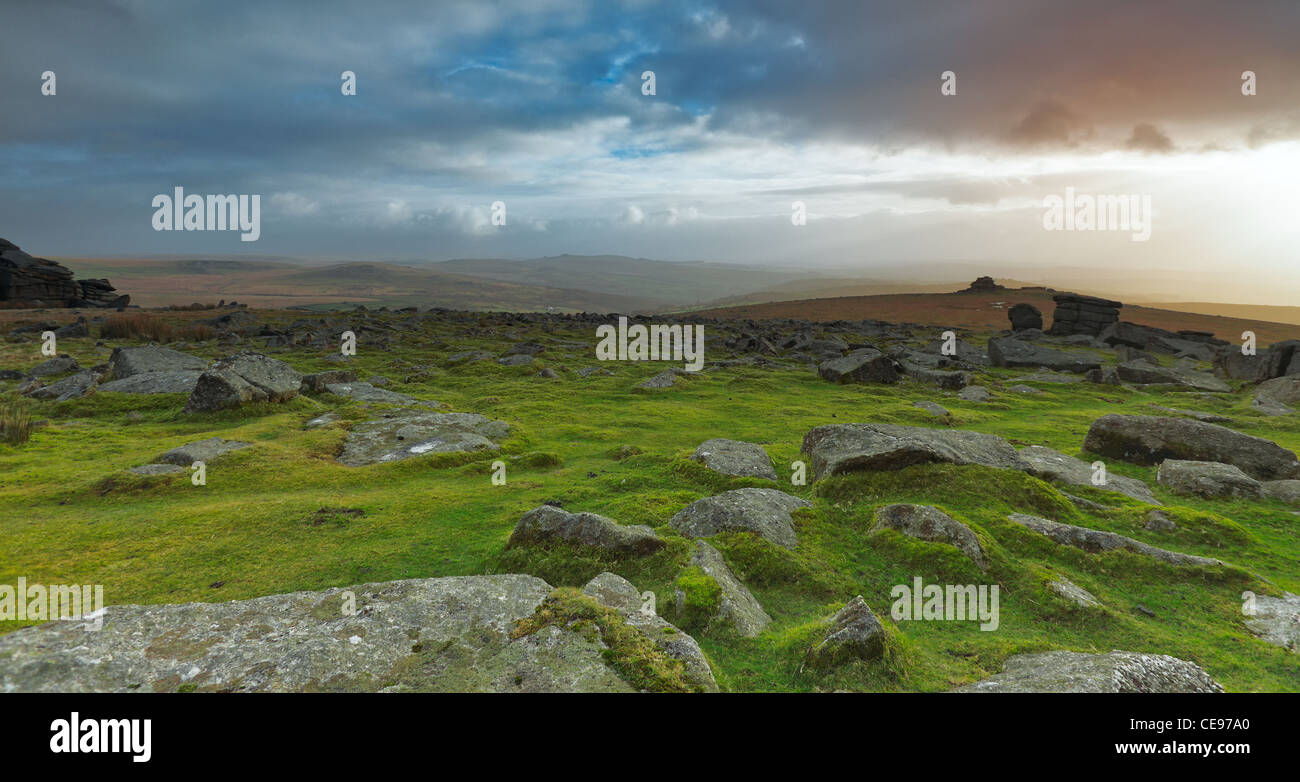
38, 282
840, 448
1145, 439
1076, 314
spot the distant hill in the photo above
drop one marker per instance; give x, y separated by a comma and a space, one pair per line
984, 311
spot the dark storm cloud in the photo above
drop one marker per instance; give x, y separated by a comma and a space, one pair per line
472, 100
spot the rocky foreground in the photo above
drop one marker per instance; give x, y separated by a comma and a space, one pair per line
518, 632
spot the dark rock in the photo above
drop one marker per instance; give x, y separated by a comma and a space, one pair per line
840, 448
244, 377
855, 634
1210, 480
1010, 352
1144, 439
1025, 316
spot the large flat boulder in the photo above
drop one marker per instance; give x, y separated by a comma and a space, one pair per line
733, 457
765, 512
407, 434
242, 378
178, 382
1129, 672
1145, 439
1210, 480
1144, 373
433, 634
841, 448
1013, 352
126, 362
1096, 541
200, 451
548, 526
1276, 620
1052, 465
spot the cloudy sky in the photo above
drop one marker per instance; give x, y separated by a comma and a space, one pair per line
758, 104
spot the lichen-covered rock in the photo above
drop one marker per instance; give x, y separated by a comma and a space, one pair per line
618, 593
855, 634
1053, 465
1068, 590
1210, 480
840, 448
1276, 620
409, 433
316, 382
244, 377
201, 451
737, 606
127, 362
179, 382
926, 522
765, 512
733, 457
435, 634
547, 526
367, 392
1145, 439
1096, 541
70, 387
1114, 672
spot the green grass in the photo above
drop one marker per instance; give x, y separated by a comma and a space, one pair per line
284, 516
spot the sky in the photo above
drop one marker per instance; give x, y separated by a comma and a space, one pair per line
539, 104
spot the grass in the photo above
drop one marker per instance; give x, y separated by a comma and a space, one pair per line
284, 516
15, 422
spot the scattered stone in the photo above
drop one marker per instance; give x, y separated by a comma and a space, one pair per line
548, 373
60, 365
933, 409
517, 360
1063, 587
548, 525
181, 382
1025, 316
317, 382
738, 607
1277, 620
201, 451
469, 357
841, 448
662, 380
1095, 541
1024, 389
1287, 491
158, 469
71, 387
244, 377
765, 512
733, 457
1145, 439
404, 434
855, 634
589, 371
127, 362
1142, 373
365, 392
926, 522
1159, 521
975, 394
1118, 672
1052, 465
1209, 480
619, 594
867, 365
